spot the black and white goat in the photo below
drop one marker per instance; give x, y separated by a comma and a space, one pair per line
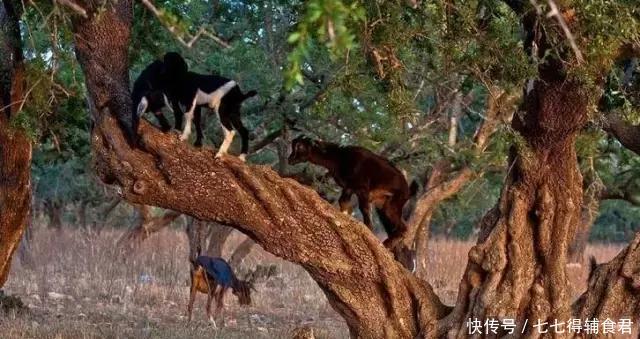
169, 83
223, 96
153, 87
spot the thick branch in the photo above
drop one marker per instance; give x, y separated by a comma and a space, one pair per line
626, 133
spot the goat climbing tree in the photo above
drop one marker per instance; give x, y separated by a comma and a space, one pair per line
516, 270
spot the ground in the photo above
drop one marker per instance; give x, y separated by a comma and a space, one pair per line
80, 288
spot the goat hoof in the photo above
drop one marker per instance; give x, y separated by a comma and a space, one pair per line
198, 144
213, 322
243, 157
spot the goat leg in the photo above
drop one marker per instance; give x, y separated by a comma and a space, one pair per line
212, 320
345, 202
192, 298
187, 124
363, 203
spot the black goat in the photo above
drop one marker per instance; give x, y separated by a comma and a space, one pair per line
222, 95
153, 87
372, 178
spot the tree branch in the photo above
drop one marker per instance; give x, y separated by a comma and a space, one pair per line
614, 288
190, 40
626, 133
73, 6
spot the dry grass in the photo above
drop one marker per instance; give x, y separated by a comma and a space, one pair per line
79, 288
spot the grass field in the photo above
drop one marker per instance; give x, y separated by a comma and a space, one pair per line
81, 288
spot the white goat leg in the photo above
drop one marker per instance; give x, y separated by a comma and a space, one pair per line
186, 131
228, 138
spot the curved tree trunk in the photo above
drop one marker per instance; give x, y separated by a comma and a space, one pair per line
500, 108
377, 297
517, 269
15, 146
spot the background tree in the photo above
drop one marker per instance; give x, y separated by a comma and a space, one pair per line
15, 145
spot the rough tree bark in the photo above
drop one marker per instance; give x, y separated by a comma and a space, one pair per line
614, 288
517, 269
15, 146
347, 261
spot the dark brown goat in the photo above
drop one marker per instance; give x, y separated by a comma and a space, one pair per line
372, 178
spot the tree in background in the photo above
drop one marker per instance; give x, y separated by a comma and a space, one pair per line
15, 145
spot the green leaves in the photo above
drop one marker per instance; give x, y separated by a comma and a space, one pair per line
327, 21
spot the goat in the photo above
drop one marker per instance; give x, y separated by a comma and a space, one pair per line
214, 277
372, 178
222, 95
152, 90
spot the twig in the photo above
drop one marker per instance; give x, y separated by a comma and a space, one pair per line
555, 12
172, 29
73, 6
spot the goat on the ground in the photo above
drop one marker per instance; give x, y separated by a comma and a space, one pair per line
372, 178
214, 276
152, 90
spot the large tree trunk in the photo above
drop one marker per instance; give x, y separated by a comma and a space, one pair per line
517, 269
377, 297
15, 146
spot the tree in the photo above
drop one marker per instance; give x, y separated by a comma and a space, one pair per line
15, 144
517, 269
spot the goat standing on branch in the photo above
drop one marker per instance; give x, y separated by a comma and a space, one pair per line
152, 90
223, 95
372, 178
214, 277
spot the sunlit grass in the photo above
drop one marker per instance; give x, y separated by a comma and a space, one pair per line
81, 288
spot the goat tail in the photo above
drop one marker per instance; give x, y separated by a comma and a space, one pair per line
414, 188
249, 94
